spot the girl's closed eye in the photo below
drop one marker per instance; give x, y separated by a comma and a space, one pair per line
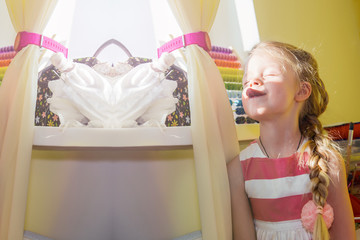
271, 74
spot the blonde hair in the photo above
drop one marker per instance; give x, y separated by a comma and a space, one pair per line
324, 154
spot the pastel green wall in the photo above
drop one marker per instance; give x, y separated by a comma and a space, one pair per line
329, 29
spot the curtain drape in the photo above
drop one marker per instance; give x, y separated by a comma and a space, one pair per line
212, 124
17, 110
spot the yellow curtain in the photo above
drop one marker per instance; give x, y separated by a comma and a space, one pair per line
212, 124
17, 110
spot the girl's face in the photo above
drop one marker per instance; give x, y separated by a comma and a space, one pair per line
269, 87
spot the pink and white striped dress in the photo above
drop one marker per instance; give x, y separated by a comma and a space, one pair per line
277, 189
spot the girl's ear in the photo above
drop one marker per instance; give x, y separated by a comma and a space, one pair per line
304, 92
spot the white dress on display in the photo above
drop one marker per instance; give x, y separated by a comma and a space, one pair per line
125, 96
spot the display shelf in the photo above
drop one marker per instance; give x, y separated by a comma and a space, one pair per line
125, 137
355, 150
100, 137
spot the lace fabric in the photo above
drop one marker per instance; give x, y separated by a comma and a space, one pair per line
112, 70
286, 230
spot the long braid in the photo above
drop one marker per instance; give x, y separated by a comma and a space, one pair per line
323, 151
318, 164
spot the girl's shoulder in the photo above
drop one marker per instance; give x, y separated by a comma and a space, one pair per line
251, 151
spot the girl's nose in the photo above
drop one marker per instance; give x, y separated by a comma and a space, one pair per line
255, 82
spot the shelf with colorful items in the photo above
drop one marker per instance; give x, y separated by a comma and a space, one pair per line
6, 55
347, 135
229, 65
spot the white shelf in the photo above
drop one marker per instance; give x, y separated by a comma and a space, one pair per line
100, 137
125, 137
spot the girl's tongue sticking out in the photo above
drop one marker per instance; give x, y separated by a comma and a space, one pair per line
250, 92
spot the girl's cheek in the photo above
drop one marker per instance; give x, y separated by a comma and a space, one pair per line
244, 100
243, 97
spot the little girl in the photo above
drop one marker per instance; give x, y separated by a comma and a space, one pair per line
291, 180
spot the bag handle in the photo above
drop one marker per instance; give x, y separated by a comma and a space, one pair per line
112, 41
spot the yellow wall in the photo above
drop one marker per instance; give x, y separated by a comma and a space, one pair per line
329, 29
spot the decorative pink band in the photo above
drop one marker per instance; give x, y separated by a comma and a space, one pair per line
200, 38
25, 38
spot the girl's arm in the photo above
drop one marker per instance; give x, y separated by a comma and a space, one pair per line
242, 221
343, 226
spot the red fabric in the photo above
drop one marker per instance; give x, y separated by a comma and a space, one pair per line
341, 132
263, 168
355, 203
272, 210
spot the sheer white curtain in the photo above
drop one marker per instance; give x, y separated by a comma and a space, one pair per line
213, 128
17, 110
